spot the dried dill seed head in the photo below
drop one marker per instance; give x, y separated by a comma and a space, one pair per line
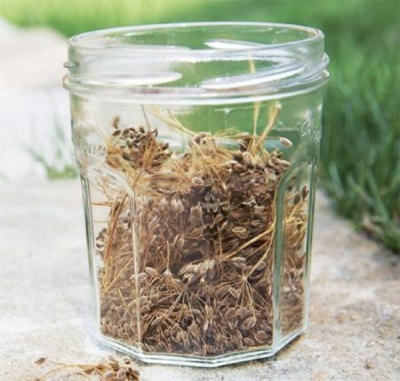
110, 369
139, 149
204, 223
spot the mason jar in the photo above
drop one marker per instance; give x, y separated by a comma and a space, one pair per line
197, 145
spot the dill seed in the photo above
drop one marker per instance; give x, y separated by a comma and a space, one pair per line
249, 323
109, 376
150, 271
296, 199
40, 360
304, 192
202, 231
261, 337
285, 142
198, 181
239, 230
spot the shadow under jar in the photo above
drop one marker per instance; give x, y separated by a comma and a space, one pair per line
197, 146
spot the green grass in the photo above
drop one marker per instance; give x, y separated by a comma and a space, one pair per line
76, 16
360, 148
360, 152
59, 163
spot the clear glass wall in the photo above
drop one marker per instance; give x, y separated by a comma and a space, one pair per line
197, 146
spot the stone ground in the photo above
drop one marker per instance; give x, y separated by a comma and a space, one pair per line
32, 101
44, 298
354, 330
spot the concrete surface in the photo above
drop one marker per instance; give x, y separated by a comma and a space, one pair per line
44, 299
32, 102
36, 54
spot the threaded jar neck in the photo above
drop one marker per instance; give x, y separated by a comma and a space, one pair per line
197, 63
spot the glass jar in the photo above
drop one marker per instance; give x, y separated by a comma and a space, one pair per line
197, 146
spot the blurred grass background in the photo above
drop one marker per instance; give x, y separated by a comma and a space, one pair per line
360, 166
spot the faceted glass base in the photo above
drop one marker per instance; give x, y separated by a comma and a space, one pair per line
197, 361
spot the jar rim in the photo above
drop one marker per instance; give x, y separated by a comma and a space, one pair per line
232, 61
88, 41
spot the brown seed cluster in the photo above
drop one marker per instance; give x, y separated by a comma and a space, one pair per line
110, 369
188, 260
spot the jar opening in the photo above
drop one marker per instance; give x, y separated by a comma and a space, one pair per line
197, 61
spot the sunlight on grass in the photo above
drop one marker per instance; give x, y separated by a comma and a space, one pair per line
76, 16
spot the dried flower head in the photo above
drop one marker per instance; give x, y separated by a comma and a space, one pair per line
110, 369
